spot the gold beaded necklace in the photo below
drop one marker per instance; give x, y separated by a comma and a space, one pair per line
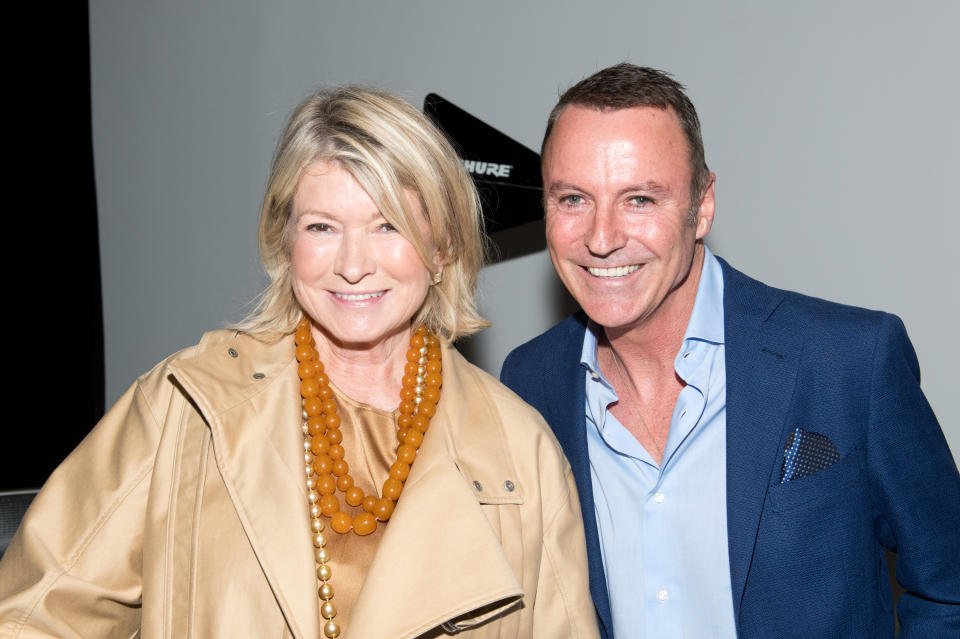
326, 468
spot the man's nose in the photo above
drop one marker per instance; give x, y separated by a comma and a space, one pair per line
355, 259
606, 231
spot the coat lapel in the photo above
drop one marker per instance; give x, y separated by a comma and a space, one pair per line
256, 445
763, 348
464, 570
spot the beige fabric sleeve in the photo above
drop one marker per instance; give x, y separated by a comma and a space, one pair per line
74, 567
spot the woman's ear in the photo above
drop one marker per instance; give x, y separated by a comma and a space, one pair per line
439, 261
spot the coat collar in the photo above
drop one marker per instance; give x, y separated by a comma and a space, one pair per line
247, 392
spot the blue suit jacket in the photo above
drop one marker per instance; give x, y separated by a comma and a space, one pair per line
806, 556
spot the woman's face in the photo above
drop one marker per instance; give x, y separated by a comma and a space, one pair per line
358, 278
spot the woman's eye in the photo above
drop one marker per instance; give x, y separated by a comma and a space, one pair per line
387, 226
319, 227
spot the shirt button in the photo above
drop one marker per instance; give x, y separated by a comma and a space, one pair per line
658, 497
662, 594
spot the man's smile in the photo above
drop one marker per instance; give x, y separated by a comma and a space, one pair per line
613, 271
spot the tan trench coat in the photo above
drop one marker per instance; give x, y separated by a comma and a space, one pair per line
183, 514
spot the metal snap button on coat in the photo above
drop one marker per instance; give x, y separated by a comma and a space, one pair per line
233, 352
509, 486
477, 485
258, 375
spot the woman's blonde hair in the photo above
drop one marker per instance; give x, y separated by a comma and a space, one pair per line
391, 149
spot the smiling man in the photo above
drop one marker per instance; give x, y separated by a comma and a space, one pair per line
743, 454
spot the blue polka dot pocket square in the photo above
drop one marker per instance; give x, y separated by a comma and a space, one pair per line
806, 453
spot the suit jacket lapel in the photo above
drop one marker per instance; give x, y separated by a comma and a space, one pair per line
256, 443
763, 348
566, 413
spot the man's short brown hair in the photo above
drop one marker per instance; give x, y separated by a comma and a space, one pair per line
625, 86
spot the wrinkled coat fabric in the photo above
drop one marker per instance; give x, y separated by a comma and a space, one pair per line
183, 514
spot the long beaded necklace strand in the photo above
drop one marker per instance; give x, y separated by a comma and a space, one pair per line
326, 468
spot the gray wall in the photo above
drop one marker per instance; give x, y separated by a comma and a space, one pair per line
831, 126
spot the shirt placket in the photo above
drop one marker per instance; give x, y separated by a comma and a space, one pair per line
664, 592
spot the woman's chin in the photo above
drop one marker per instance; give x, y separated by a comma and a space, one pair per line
360, 338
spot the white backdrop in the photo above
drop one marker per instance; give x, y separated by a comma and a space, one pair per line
832, 128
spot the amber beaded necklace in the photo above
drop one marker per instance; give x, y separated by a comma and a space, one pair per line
326, 469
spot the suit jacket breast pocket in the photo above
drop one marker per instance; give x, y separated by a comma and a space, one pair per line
810, 551
837, 484
815, 550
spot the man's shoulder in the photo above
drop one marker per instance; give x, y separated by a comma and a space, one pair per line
544, 370
746, 295
547, 349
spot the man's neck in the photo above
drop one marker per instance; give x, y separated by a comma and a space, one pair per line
639, 363
657, 339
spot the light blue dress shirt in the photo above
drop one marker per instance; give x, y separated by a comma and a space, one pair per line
663, 529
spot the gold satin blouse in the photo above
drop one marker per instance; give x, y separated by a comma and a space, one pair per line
370, 442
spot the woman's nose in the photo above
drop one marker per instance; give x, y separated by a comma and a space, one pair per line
355, 259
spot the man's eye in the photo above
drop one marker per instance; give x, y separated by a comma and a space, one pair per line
641, 200
571, 200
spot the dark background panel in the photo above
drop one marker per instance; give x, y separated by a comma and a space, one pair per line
55, 390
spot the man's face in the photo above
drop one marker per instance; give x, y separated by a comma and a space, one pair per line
617, 199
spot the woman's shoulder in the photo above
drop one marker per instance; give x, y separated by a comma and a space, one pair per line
208, 340
513, 453
222, 357
492, 412
507, 403
219, 343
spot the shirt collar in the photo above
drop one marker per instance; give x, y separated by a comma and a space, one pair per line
588, 356
706, 320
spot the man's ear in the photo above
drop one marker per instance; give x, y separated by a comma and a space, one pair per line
706, 209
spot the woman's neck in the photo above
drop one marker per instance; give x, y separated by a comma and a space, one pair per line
366, 374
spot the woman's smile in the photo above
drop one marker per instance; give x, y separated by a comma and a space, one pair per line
359, 297
358, 278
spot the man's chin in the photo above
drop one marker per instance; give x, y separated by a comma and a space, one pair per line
607, 317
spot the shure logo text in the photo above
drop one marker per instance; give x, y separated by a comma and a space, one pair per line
488, 168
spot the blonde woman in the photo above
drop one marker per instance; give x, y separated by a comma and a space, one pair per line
332, 466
